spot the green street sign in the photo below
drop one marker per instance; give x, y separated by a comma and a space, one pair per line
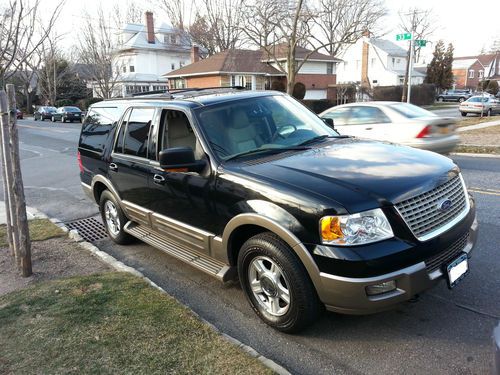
420, 43
405, 36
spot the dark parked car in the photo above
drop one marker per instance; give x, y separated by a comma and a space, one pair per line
454, 96
44, 113
19, 114
64, 114
253, 185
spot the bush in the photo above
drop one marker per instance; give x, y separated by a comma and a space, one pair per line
299, 90
84, 104
318, 105
63, 102
278, 85
420, 94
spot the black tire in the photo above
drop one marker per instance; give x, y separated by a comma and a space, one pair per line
63, 120
304, 306
34, 118
460, 100
119, 236
53, 119
489, 112
463, 114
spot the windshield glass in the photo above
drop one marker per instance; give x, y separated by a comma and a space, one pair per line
410, 110
263, 123
72, 109
477, 99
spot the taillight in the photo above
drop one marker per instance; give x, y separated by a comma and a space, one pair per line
426, 132
79, 158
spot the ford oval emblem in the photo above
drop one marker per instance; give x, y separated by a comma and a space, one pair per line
444, 205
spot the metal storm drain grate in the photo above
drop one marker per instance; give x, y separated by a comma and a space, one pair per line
91, 229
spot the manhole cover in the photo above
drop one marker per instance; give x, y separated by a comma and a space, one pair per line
91, 229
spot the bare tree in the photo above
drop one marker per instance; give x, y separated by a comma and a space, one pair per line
420, 23
21, 33
340, 23
96, 49
127, 12
178, 11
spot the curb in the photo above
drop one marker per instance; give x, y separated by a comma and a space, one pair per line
122, 267
476, 155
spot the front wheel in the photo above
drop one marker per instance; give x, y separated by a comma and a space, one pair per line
461, 100
276, 283
489, 112
113, 219
463, 114
63, 119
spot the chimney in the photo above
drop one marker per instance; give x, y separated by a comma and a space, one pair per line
195, 54
150, 27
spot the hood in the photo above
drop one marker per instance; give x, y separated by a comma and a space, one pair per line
357, 174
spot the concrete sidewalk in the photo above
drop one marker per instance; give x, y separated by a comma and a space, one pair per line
478, 126
31, 212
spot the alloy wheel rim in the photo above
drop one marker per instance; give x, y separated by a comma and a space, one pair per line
269, 286
112, 218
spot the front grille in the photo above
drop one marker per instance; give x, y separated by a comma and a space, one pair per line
422, 214
435, 262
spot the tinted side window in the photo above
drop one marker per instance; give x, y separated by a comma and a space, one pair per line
137, 132
367, 115
97, 127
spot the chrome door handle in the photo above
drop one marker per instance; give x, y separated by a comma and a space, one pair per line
368, 128
113, 167
158, 179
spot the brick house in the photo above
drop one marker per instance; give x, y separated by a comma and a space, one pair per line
254, 70
468, 71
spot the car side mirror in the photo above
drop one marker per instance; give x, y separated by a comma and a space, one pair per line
329, 122
180, 158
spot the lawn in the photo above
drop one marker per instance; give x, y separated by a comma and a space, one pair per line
40, 229
474, 119
111, 323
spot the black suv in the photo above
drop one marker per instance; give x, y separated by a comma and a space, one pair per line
253, 185
454, 96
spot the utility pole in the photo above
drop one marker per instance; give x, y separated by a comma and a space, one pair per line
410, 63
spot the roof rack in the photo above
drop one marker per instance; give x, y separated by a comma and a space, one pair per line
180, 93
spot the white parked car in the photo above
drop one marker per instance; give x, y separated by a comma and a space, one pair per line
485, 104
395, 122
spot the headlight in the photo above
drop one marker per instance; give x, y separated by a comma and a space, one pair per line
357, 229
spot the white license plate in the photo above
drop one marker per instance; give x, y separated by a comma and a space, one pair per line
457, 270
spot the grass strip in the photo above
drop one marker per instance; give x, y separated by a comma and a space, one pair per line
112, 323
40, 230
476, 149
466, 121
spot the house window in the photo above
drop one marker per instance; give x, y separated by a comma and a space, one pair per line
181, 64
159, 87
481, 74
132, 68
393, 61
172, 66
398, 61
329, 68
179, 83
124, 68
173, 39
244, 81
471, 74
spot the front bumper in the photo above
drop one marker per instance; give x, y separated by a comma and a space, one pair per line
348, 295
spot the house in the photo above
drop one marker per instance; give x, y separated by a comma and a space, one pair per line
468, 71
144, 53
255, 70
375, 62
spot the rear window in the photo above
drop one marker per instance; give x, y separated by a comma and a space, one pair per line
96, 127
410, 110
478, 99
72, 109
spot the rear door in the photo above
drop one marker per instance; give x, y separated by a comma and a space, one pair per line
129, 167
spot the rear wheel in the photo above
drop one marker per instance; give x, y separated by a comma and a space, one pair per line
276, 283
463, 114
440, 99
460, 100
489, 112
113, 219
63, 119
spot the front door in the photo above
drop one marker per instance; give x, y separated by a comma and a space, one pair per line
180, 195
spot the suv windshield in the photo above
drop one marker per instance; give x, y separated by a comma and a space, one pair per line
264, 123
410, 110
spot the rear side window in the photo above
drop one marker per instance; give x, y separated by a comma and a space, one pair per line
135, 133
338, 115
96, 127
366, 115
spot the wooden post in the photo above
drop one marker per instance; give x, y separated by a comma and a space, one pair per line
6, 165
17, 188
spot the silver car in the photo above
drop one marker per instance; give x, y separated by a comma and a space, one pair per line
484, 104
395, 122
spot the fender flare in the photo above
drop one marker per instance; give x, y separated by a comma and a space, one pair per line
284, 233
100, 178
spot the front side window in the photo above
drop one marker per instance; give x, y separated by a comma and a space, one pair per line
339, 116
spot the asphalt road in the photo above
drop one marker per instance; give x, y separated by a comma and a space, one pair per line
451, 111
444, 332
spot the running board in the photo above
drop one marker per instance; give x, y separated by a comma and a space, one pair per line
213, 267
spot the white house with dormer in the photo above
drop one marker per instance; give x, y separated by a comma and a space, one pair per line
144, 53
375, 62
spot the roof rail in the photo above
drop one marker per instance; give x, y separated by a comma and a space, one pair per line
179, 93
153, 92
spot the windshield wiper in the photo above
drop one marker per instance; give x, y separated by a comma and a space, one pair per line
267, 150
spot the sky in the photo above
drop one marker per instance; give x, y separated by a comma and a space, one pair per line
469, 26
